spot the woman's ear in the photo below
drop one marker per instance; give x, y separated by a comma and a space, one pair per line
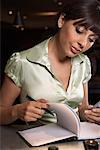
61, 21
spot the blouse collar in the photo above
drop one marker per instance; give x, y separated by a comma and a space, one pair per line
39, 54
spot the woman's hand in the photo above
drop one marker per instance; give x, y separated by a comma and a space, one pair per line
82, 109
89, 113
31, 110
93, 115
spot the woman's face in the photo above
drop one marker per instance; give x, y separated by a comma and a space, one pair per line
74, 39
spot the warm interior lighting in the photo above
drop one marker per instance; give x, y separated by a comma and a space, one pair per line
45, 13
10, 12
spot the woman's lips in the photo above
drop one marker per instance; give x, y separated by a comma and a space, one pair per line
74, 50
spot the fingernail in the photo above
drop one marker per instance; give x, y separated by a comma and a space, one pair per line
91, 106
94, 109
86, 111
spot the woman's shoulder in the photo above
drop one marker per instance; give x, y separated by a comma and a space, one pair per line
32, 54
35, 52
82, 58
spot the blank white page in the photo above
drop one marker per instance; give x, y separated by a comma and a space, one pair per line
89, 130
45, 134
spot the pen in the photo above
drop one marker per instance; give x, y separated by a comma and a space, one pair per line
47, 110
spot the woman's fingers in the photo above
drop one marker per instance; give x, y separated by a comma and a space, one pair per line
31, 110
93, 115
30, 116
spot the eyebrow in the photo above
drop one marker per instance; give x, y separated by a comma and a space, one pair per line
95, 36
92, 34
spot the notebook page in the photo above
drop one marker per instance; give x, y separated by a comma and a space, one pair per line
45, 134
66, 117
89, 131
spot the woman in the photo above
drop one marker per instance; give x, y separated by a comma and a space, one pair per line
54, 70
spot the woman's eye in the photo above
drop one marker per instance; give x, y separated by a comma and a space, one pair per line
80, 29
91, 40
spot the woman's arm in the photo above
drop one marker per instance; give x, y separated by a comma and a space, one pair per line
84, 104
8, 93
28, 111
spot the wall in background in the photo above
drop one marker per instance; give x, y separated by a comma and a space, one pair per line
13, 40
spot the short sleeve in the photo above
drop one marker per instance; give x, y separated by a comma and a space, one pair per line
13, 69
87, 74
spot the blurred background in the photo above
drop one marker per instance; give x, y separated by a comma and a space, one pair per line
24, 23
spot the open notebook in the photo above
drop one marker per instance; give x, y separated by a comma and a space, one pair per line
68, 125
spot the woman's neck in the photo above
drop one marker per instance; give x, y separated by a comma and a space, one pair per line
55, 51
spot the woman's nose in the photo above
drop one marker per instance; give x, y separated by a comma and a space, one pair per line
80, 45
82, 42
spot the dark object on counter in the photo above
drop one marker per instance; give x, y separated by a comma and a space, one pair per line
91, 145
53, 148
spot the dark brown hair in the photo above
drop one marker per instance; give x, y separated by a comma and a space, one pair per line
86, 10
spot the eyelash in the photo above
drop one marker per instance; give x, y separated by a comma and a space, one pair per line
80, 32
91, 40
